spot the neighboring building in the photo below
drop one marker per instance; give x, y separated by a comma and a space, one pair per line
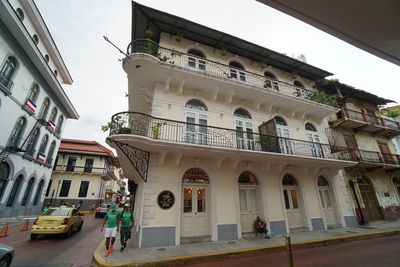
219, 131
115, 190
396, 139
33, 107
374, 182
82, 170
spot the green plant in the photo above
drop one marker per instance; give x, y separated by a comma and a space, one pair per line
156, 130
391, 113
150, 48
322, 97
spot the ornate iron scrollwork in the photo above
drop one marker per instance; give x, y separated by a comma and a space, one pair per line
138, 158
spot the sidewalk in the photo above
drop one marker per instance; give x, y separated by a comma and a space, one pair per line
199, 252
16, 220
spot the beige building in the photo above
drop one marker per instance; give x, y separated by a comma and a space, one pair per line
374, 183
81, 172
219, 131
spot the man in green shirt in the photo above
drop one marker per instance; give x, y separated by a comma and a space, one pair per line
112, 227
126, 219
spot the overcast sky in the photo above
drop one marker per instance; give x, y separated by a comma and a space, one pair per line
100, 83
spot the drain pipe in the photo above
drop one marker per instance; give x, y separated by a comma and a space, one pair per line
363, 220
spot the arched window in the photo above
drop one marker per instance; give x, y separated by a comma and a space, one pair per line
289, 180
270, 81
44, 109
196, 104
280, 121
43, 145
4, 175
322, 181
47, 58
20, 14
195, 175
298, 84
310, 127
7, 72
34, 93
49, 159
53, 115
35, 39
236, 74
242, 113
247, 178
14, 191
27, 191
38, 192
59, 124
30, 149
196, 61
17, 132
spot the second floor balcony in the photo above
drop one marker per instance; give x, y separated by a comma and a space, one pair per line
361, 121
374, 159
171, 133
107, 173
224, 79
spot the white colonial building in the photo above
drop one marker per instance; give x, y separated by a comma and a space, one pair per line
219, 131
33, 107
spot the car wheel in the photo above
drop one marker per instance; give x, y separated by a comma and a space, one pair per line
5, 261
69, 233
80, 227
34, 236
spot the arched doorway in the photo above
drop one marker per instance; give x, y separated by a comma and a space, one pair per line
327, 206
249, 200
292, 200
371, 205
195, 207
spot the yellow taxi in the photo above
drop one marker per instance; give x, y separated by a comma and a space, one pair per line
60, 220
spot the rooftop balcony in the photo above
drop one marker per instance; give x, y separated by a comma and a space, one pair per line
205, 74
103, 172
151, 134
360, 121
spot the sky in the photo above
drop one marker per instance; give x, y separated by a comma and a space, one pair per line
100, 83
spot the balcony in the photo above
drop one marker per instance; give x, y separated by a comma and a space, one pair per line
373, 159
173, 135
360, 121
6, 84
104, 172
206, 74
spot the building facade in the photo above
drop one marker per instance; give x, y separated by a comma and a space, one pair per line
374, 183
33, 107
220, 131
81, 174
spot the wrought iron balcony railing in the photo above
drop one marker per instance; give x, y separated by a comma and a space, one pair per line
84, 169
188, 133
219, 70
377, 157
368, 118
6, 84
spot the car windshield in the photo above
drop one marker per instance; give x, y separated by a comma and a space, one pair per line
56, 212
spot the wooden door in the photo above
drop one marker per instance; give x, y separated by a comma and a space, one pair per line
268, 140
292, 205
371, 205
195, 211
248, 208
351, 143
387, 156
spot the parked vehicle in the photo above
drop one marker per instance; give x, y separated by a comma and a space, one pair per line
101, 211
6, 255
60, 220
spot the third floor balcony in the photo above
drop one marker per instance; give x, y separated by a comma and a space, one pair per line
107, 173
361, 121
218, 79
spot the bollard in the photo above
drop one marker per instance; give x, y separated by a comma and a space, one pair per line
289, 251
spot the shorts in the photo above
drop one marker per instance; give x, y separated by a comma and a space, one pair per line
110, 232
125, 233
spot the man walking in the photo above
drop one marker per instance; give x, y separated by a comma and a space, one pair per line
112, 227
126, 218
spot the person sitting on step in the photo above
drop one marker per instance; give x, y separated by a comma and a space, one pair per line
261, 227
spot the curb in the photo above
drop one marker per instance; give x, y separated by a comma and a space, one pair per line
196, 258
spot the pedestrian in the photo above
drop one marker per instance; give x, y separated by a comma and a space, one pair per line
126, 219
261, 227
112, 227
79, 205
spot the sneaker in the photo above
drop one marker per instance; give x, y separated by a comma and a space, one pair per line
121, 249
106, 253
111, 248
125, 245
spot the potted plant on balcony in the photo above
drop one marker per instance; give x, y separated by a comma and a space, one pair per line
156, 130
264, 142
148, 33
179, 37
